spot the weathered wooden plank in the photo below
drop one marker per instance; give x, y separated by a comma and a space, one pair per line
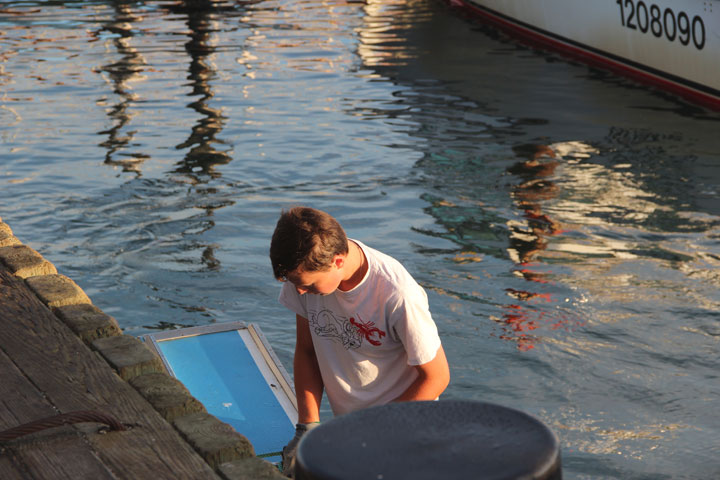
51, 454
58, 454
20, 402
72, 377
8, 470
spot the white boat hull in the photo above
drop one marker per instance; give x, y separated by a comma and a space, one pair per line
672, 44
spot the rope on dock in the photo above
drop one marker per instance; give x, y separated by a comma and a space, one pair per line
80, 416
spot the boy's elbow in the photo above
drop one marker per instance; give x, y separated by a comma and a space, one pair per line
440, 372
444, 380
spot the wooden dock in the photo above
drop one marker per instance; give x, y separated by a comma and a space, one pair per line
60, 355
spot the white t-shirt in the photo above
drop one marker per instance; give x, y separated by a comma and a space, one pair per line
368, 339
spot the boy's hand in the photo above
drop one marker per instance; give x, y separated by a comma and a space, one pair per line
290, 450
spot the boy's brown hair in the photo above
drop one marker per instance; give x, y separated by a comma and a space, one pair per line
305, 239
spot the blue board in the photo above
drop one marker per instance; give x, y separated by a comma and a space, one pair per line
219, 370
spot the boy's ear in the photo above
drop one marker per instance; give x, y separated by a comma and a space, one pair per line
339, 261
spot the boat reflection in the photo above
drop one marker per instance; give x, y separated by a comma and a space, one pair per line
566, 210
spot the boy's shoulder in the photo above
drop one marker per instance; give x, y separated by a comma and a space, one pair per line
379, 259
386, 267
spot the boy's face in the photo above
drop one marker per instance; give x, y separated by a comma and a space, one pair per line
319, 282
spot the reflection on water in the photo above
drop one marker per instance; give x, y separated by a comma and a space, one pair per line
574, 231
121, 74
198, 164
528, 237
203, 156
567, 238
382, 39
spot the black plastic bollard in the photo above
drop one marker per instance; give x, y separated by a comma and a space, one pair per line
443, 440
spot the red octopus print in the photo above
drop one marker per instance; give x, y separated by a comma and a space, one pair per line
368, 330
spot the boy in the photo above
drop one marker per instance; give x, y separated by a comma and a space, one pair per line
364, 331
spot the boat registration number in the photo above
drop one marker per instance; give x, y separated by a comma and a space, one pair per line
671, 24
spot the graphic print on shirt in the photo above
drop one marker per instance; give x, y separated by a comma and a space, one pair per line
348, 331
368, 330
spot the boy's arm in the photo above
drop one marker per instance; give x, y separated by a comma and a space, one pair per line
433, 378
308, 382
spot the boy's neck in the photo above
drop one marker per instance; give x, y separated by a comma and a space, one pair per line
356, 266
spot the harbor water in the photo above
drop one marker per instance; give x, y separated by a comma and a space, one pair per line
564, 221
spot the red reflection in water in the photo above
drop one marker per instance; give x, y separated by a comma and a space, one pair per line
527, 241
521, 318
